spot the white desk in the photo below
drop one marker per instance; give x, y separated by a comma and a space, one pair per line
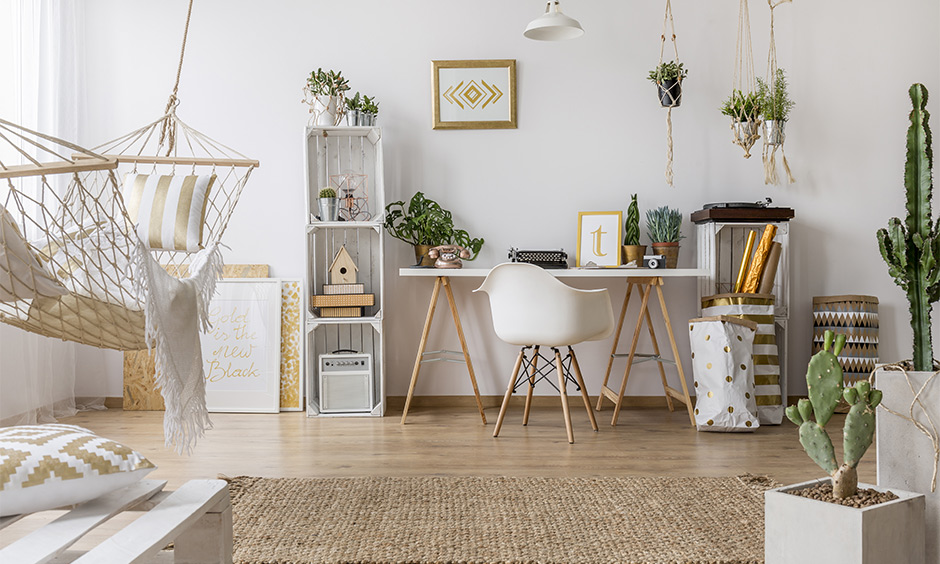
643, 279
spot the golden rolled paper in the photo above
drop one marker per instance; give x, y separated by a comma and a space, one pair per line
760, 260
745, 260
770, 270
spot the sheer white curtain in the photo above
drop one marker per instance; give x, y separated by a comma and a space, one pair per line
41, 49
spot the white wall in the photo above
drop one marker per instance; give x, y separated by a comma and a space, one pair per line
590, 134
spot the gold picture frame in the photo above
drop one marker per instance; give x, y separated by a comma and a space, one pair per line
474, 94
597, 245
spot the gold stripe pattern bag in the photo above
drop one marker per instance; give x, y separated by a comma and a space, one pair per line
758, 308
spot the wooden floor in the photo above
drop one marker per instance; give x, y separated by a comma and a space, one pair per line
453, 441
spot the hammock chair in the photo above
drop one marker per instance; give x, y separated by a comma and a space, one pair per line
69, 228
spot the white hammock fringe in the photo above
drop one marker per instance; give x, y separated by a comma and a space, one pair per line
179, 369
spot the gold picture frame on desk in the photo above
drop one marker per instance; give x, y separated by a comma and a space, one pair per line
474, 94
599, 236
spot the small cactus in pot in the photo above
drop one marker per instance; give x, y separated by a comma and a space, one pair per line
328, 204
824, 382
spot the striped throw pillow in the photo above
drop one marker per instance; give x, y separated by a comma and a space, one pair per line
169, 210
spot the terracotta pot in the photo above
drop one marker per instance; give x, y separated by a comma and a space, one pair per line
421, 256
670, 251
633, 253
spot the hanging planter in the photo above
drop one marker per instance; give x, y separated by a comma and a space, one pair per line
324, 94
775, 107
668, 79
744, 111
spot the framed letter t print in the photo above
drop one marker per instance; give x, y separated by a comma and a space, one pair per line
474, 94
599, 238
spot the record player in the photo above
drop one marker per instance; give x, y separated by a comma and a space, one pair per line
742, 212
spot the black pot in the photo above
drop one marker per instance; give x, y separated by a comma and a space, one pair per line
670, 93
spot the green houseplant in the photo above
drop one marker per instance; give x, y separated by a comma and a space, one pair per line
632, 249
744, 111
775, 107
353, 107
663, 225
324, 92
369, 112
668, 78
422, 222
907, 452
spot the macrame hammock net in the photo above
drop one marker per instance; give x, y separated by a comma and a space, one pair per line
67, 253
774, 133
745, 121
670, 95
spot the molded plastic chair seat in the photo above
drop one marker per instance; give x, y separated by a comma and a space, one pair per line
531, 308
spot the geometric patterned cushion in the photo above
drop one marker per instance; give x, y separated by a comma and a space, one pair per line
49, 466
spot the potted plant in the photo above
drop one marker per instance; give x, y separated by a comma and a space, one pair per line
369, 111
817, 521
775, 107
324, 93
662, 226
632, 249
744, 111
668, 78
422, 222
328, 204
907, 451
353, 107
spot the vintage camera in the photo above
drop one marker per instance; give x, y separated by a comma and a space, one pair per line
654, 261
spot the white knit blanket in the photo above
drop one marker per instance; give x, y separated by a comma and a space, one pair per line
176, 311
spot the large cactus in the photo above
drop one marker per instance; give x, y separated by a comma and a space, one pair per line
824, 382
912, 249
632, 224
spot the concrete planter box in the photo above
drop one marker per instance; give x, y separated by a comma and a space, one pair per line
905, 455
798, 530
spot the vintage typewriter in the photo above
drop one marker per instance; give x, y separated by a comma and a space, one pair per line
545, 259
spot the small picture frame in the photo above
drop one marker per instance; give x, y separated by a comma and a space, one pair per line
470, 94
599, 236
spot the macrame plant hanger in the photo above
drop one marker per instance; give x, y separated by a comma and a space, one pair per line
671, 96
774, 133
168, 143
745, 119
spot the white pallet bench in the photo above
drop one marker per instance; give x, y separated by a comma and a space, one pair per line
197, 518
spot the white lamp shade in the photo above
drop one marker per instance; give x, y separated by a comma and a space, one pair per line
553, 25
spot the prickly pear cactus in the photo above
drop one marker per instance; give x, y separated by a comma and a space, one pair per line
824, 382
860, 422
824, 379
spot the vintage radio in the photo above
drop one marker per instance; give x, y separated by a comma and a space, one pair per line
346, 382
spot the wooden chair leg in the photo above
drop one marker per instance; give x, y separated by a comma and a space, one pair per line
564, 396
528, 395
512, 383
584, 393
209, 539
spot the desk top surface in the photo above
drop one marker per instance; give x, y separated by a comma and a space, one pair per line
564, 273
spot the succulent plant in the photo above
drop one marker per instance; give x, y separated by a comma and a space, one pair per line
742, 107
327, 193
668, 71
354, 102
631, 226
326, 83
663, 224
912, 249
824, 382
369, 105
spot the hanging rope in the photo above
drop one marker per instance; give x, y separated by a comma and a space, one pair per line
667, 20
168, 129
930, 428
745, 124
774, 134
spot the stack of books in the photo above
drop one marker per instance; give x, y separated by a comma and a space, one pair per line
342, 300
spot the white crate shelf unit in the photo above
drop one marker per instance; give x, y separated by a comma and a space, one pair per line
345, 347
721, 246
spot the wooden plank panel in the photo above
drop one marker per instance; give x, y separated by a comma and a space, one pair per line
140, 387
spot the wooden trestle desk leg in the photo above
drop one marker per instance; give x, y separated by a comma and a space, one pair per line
435, 293
617, 397
463, 346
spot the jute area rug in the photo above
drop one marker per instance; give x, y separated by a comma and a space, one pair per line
499, 520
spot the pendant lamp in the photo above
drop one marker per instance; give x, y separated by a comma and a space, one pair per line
553, 25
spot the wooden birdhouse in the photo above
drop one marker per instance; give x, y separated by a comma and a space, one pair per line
343, 269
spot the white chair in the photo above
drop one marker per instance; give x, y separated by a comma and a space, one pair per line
532, 309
